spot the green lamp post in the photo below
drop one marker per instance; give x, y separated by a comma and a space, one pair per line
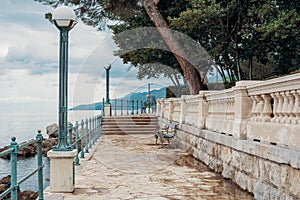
64, 19
107, 67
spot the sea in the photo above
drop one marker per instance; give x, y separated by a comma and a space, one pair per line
24, 126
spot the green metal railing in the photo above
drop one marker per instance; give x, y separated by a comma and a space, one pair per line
87, 133
13, 152
130, 107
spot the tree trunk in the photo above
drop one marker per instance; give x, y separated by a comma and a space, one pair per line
190, 72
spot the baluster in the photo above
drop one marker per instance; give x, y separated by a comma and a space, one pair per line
296, 109
231, 108
82, 139
259, 108
267, 110
227, 112
13, 169
137, 107
221, 109
275, 107
280, 106
39, 141
290, 107
285, 107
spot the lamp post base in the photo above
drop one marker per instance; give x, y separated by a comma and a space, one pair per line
107, 109
62, 171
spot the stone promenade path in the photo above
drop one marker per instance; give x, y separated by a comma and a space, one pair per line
133, 167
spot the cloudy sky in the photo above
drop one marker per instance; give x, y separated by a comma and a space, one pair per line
29, 61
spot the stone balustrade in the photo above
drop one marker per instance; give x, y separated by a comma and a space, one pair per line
261, 111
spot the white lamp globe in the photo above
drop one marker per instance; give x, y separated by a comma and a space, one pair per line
107, 66
64, 16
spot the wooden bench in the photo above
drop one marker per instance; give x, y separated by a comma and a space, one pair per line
168, 132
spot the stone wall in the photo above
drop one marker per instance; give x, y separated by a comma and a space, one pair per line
250, 134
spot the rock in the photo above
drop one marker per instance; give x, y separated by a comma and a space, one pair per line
25, 195
31, 150
48, 144
4, 183
52, 130
28, 151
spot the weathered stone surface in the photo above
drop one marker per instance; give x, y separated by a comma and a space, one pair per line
251, 165
294, 182
130, 168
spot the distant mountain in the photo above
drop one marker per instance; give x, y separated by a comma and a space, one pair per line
93, 106
140, 96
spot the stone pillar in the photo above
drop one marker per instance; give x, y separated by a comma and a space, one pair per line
158, 108
171, 109
203, 109
242, 111
62, 171
183, 109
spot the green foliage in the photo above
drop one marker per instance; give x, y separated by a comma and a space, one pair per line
240, 31
246, 38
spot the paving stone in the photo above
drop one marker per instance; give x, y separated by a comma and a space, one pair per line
130, 167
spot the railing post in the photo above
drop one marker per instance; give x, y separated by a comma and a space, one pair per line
100, 130
121, 106
87, 136
39, 141
242, 110
137, 107
82, 139
127, 106
115, 107
142, 110
132, 107
103, 107
95, 129
91, 131
70, 128
76, 144
13, 169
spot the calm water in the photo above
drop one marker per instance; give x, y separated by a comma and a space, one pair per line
24, 126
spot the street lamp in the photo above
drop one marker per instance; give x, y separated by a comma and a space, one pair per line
107, 67
149, 99
64, 19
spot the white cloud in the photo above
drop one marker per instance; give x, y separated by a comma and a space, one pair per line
29, 61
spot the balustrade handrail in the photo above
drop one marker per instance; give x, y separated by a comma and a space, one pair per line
13, 152
262, 111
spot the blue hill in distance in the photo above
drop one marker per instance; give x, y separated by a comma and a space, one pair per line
140, 96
